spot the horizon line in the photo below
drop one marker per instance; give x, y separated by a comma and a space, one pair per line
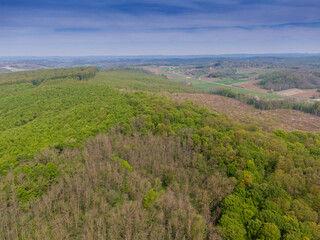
163, 55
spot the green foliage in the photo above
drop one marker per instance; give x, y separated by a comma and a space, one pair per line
254, 228
218, 74
199, 228
65, 112
232, 169
32, 182
125, 165
149, 198
303, 211
231, 227
167, 178
270, 232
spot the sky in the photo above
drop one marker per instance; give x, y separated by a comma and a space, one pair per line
158, 27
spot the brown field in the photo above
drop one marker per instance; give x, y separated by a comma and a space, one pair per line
248, 69
157, 71
153, 69
172, 76
12, 69
304, 93
211, 79
267, 119
308, 93
290, 92
251, 85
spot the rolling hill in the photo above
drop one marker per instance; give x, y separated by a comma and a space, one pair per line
105, 155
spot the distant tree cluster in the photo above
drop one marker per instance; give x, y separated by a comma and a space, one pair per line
282, 80
220, 74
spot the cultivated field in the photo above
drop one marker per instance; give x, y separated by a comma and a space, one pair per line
201, 82
251, 85
303, 93
240, 79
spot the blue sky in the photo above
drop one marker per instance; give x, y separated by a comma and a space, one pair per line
158, 27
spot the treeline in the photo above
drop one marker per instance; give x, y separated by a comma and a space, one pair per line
36, 77
282, 80
220, 74
268, 104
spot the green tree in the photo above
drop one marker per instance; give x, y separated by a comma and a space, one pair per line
270, 231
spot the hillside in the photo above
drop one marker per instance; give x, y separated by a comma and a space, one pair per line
281, 80
67, 110
106, 157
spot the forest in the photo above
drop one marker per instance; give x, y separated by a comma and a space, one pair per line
38, 76
282, 80
105, 156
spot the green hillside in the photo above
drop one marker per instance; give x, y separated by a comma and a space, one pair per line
67, 110
81, 159
135, 80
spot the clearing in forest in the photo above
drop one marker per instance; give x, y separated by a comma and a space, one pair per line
288, 120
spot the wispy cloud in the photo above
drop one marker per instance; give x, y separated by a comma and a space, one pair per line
245, 27
77, 29
158, 26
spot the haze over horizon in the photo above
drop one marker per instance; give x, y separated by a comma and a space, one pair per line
124, 28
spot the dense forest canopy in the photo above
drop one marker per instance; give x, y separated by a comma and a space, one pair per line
84, 160
38, 76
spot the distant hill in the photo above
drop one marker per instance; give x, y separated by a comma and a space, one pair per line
282, 80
